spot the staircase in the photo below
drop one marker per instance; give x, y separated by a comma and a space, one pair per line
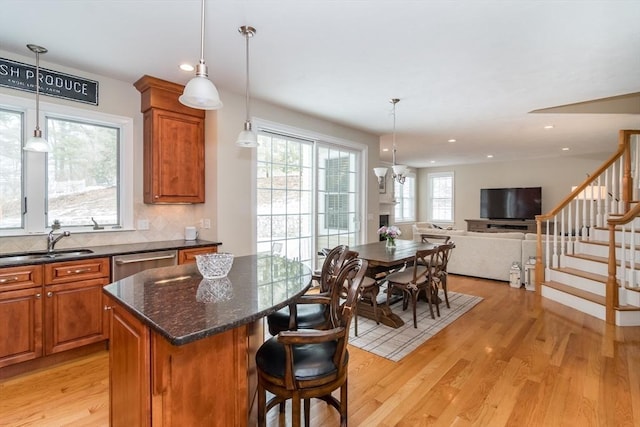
592, 261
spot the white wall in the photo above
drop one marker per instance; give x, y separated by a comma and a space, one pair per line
228, 170
554, 175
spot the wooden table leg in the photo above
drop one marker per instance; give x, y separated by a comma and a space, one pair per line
385, 315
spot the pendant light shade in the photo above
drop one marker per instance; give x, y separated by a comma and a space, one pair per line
381, 174
247, 137
200, 92
37, 142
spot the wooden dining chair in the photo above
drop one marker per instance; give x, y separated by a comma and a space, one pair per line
309, 363
311, 311
434, 238
414, 280
439, 275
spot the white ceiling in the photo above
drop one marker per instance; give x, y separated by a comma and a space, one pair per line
468, 69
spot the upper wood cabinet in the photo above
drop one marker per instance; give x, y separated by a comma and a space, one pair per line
173, 144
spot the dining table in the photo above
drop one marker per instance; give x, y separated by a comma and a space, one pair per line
383, 260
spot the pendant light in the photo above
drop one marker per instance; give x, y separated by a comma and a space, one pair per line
247, 137
200, 92
398, 170
37, 142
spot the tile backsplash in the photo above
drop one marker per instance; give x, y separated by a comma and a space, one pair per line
166, 222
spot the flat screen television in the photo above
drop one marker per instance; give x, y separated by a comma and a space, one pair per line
510, 203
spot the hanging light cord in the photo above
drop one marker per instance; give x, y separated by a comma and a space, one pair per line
394, 101
247, 35
202, 36
38, 93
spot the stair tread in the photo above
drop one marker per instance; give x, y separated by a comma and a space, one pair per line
580, 273
589, 296
605, 243
601, 259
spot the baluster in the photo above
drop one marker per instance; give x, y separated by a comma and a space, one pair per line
585, 230
555, 241
547, 243
620, 203
570, 239
562, 238
607, 207
615, 183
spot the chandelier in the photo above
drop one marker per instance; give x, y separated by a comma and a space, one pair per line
398, 170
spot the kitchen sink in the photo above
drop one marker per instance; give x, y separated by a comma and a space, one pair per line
35, 256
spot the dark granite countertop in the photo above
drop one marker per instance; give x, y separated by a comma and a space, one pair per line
179, 304
107, 250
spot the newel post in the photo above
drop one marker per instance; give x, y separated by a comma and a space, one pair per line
539, 266
624, 140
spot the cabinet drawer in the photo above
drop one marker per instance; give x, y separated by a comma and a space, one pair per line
188, 256
69, 271
28, 276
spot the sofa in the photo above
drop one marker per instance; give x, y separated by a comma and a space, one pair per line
486, 255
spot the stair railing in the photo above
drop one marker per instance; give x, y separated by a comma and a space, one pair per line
604, 194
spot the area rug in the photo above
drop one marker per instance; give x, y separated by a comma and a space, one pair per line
393, 343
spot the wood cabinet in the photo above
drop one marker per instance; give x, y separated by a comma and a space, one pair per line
73, 306
20, 314
152, 382
188, 256
51, 308
173, 144
129, 367
501, 226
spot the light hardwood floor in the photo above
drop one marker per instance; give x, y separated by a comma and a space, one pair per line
515, 359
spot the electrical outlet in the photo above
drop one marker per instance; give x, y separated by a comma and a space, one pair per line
206, 223
143, 224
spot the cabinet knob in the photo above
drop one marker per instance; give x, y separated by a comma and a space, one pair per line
49, 294
156, 196
38, 295
106, 307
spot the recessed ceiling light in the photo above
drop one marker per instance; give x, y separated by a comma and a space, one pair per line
566, 148
385, 149
432, 161
186, 67
489, 156
451, 140
548, 127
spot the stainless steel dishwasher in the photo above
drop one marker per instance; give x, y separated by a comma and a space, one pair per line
126, 265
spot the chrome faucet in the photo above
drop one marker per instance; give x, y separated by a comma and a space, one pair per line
53, 239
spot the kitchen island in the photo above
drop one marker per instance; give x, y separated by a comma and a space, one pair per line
182, 348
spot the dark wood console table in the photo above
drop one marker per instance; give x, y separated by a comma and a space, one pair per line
501, 225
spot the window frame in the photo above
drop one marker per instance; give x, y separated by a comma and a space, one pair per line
401, 201
430, 177
34, 173
318, 140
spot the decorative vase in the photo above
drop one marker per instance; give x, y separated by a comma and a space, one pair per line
391, 242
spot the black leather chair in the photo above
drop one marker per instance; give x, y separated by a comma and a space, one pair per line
310, 311
305, 364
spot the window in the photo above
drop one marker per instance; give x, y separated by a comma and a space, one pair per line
440, 196
87, 174
405, 195
82, 179
11, 125
307, 196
